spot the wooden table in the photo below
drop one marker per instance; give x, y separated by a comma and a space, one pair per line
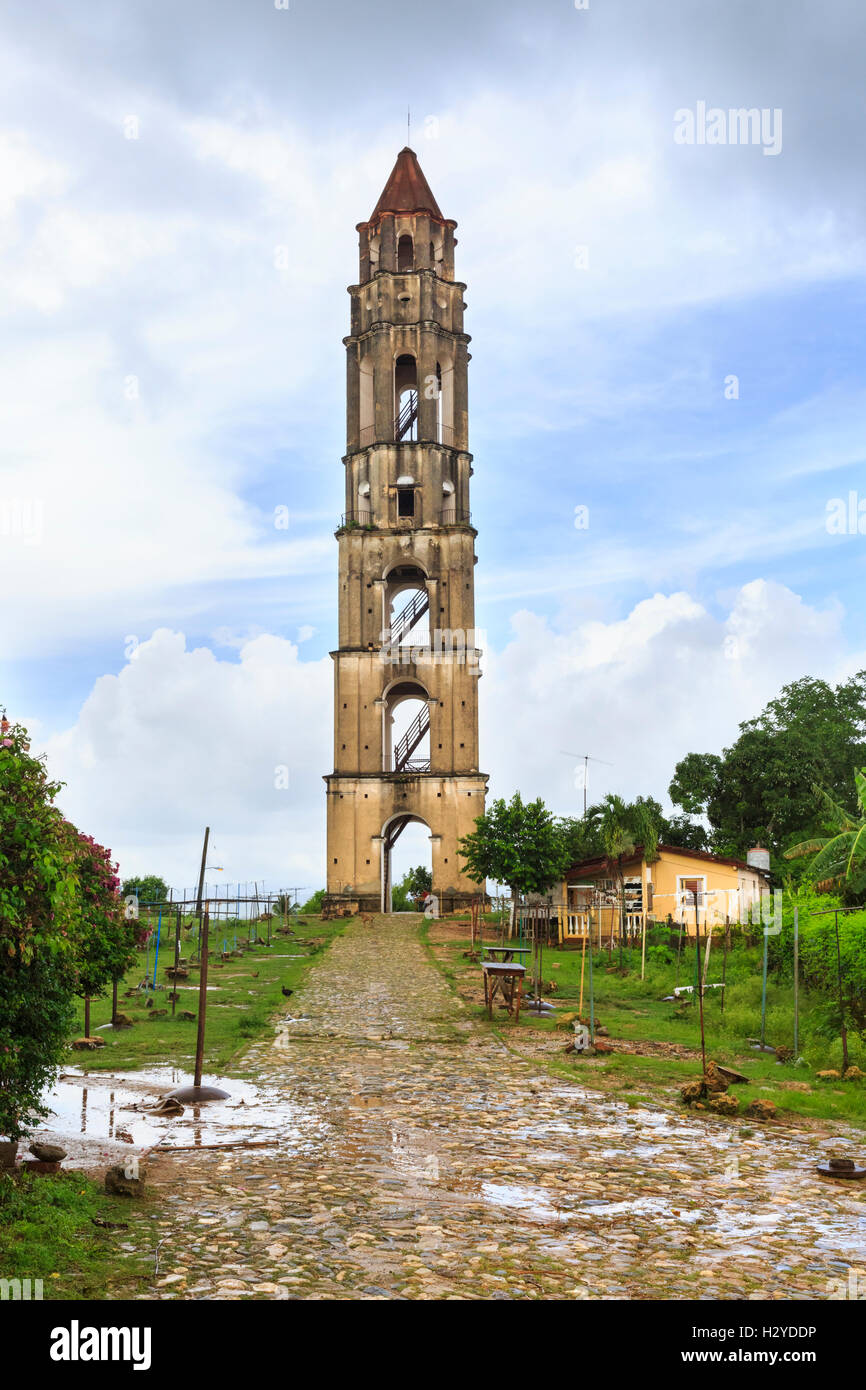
508, 952
505, 978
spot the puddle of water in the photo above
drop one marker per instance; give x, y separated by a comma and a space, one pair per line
646, 1206
89, 1109
532, 1202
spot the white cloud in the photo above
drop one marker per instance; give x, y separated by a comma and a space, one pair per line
181, 739
668, 679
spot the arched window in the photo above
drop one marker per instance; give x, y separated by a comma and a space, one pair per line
365, 515
407, 728
449, 503
406, 397
405, 253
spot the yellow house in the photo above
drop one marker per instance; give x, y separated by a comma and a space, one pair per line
681, 884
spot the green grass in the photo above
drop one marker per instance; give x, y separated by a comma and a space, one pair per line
241, 1009
47, 1233
633, 1009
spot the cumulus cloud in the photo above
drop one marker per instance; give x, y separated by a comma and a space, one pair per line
641, 692
180, 738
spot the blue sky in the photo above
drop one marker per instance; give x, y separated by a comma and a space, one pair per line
167, 385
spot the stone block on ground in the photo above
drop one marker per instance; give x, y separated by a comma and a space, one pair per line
119, 1184
47, 1153
723, 1104
761, 1110
693, 1091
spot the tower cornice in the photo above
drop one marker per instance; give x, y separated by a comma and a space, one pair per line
386, 325
404, 274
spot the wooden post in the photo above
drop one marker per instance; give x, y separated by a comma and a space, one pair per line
201, 873
725, 959
87, 1015
114, 1001
643, 945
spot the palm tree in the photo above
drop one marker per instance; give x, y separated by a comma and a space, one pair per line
623, 827
839, 856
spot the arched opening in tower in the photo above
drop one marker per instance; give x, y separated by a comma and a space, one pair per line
405, 253
407, 728
407, 607
406, 398
408, 864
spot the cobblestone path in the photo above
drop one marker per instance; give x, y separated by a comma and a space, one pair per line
420, 1159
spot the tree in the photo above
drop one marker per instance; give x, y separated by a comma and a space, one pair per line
418, 882
516, 844
415, 884
104, 940
313, 906
761, 789
838, 857
581, 839
149, 889
624, 828
37, 916
683, 832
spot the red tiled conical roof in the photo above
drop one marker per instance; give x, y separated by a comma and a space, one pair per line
407, 190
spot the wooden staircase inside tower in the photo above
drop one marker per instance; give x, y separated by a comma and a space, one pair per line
403, 750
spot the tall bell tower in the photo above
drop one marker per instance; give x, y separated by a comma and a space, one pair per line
406, 670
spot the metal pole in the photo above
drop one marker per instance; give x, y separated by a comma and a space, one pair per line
591, 992
176, 962
796, 983
583, 963
699, 984
156, 956
202, 1002
841, 997
764, 986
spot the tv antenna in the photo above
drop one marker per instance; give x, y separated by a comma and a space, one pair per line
586, 758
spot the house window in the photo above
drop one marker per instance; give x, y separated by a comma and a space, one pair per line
406, 501
691, 890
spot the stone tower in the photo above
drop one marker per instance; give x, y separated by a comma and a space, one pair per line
406, 561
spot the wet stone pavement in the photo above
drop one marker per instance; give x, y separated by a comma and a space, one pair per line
423, 1160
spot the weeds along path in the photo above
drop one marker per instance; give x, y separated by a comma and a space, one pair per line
420, 1159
